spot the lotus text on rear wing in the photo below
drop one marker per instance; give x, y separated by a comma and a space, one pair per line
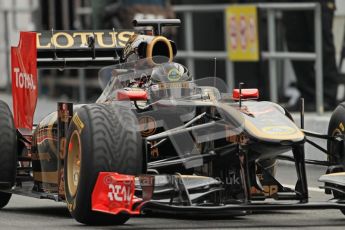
60, 40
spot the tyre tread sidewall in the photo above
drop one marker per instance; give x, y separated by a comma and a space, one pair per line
104, 142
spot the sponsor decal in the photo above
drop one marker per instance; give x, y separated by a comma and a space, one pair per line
174, 75
24, 80
278, 130
78, 123
114, 193
175, 85
147, 125
68, 39
269, 190
119, 192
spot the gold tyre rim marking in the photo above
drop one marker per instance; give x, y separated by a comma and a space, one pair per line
73, 163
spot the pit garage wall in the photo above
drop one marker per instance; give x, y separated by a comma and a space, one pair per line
15, 16
52, 10
208, 30
339, 28
254, 74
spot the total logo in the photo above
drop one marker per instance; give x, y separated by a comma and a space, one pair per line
24, 80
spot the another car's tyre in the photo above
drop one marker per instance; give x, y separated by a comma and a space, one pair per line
4, 198
8, 152
101, 138
336, 156
336, 127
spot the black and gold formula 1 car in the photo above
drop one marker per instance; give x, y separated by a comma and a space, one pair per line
156, 140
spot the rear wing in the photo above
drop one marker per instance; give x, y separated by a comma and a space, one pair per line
80, 49
58, 50
77, 49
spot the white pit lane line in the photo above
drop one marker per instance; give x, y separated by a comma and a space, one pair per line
313, 189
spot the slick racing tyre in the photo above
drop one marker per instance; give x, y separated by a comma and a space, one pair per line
8, 152
336, 127
101, 138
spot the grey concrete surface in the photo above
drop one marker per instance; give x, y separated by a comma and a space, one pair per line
315, 123
28, 213
44, 106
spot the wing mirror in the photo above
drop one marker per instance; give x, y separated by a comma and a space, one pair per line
132, 95
245, 94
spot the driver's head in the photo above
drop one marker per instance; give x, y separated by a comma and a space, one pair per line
170, 80
170, 72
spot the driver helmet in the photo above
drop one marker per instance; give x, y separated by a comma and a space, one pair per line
170, 81
170, 72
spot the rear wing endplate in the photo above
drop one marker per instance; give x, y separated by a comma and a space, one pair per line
57, 50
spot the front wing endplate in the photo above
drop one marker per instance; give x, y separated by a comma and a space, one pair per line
114, 193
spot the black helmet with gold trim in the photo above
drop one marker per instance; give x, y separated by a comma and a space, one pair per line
170, 80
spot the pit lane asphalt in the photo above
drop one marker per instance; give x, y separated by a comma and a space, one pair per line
29, 213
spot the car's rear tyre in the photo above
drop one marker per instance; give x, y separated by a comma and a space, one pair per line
336, 127
101, 138
8, 152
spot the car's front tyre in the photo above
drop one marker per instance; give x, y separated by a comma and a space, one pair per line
101, 138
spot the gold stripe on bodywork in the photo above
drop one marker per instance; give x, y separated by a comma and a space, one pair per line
251, 128
52, 141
